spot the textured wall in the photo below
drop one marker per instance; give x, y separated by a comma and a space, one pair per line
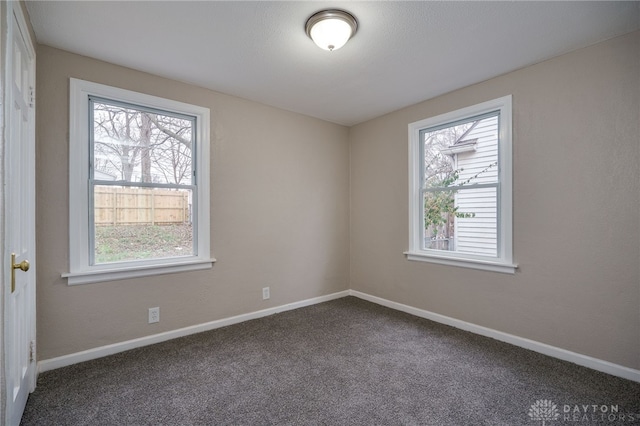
280, 209
279, 215
576, 143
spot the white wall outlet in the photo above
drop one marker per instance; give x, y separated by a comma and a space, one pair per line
265, 293
154, 315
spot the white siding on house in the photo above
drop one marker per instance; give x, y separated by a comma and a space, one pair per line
478, 234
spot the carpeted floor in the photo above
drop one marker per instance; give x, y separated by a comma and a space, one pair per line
344, 362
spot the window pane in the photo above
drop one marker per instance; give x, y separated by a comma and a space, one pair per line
135, 145
462, 154
141, 223
459, 155
461, 220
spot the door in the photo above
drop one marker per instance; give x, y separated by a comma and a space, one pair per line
19, 212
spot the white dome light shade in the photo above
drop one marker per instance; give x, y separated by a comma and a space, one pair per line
330, 34
331, 29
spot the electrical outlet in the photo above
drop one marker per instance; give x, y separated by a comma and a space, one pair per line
154, 315
265, 293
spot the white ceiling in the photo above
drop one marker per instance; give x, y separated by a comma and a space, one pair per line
403, 52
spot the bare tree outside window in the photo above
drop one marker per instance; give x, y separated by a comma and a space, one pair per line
140, 146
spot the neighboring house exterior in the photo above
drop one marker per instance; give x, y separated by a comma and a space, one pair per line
99, 175
475, 156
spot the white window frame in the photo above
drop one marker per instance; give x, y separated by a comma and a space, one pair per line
503, 262
81, 271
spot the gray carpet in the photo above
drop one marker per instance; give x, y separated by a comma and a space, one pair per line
344, 362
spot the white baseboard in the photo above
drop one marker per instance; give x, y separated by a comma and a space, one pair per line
543, 348
65, 360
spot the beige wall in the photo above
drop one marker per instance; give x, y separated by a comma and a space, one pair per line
280, 211
576, 143
279, 215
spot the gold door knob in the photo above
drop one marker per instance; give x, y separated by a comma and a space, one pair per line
23, 266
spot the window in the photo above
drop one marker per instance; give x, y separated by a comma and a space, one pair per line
138, 185
460, 188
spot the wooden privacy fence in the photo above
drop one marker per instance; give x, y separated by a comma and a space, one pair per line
140, 206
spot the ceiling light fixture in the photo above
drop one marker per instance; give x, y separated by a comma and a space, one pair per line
331, 29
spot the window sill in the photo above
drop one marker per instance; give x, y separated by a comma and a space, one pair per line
485, 265
125, 272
